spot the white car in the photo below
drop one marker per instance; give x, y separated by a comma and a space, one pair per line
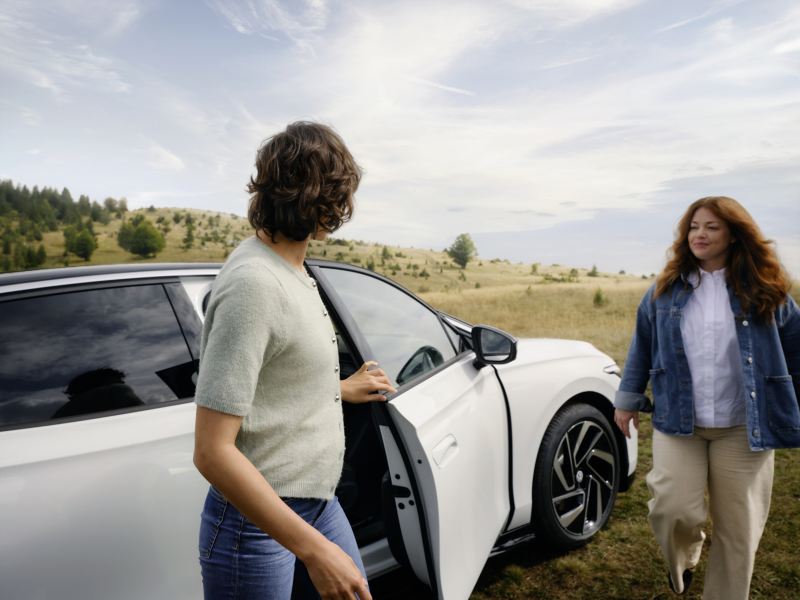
487, 442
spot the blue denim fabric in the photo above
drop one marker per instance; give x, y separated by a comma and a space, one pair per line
238, 561
770, 363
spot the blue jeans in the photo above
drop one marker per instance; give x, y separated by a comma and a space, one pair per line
238, 561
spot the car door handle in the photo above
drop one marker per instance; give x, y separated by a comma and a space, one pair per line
445, 450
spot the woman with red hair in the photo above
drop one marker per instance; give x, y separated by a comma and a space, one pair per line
718, 338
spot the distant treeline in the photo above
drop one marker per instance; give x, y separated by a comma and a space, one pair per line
26, 213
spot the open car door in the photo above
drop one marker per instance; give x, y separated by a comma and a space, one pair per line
445, 433
453, 431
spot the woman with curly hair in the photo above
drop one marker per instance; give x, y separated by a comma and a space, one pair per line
718, 337
269, 435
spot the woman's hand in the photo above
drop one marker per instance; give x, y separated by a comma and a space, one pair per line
335, 575
623, 418
365, 385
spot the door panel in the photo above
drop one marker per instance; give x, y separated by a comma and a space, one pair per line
110, 506
446, 443
453, 426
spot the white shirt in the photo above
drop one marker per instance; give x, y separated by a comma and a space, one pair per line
712, 350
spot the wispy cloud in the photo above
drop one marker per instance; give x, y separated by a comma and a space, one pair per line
273, 18
161, 158
714, 9
570, 12
787, 47
34, 53
565, 63
439, 86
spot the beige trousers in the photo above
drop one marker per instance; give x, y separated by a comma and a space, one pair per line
739, 483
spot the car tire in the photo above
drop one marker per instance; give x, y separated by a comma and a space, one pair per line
576, 477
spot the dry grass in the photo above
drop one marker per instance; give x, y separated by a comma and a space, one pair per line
563, 310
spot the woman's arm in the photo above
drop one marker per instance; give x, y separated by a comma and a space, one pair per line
630, 395
219, 460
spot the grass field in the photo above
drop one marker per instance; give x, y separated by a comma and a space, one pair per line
528, 301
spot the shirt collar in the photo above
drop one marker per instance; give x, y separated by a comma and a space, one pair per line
695, 277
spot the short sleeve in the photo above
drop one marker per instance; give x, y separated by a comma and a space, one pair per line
244, 327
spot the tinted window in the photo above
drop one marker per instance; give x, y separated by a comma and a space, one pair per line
407, 337
190, 323
90, 351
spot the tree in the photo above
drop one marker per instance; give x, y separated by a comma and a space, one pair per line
80, 240
84, 244
462, 250
188, 239
125, 235
146, 240
593, 272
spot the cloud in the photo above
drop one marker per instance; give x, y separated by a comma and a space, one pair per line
787, 46
439, 86
161, 158
32, 51
570, 12
606, 139
272, 19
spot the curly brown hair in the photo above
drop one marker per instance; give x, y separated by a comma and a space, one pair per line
753, 269
305, 181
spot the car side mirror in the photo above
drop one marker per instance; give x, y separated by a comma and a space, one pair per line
492, 346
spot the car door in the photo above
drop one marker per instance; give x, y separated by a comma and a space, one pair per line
445, 432
99, 498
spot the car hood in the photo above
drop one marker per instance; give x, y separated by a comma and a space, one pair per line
534, 350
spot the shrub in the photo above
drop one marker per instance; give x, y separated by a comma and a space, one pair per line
146, 240
600, 299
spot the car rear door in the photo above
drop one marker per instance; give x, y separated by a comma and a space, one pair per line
445, 432
99, 498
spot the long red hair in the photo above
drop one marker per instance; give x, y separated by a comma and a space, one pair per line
753, 269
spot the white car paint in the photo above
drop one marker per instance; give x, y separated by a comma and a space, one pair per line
110, 505
539, 382
455, 429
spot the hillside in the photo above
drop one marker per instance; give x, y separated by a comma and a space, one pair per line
216, 234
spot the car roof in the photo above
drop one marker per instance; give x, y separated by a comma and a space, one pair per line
38, 275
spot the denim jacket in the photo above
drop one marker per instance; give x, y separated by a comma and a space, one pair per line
770, 363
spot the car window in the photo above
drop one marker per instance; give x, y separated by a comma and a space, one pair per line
406, 336
90, 351
190, 322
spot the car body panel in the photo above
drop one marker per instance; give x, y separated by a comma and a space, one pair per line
552, 364
109, 506
453, 425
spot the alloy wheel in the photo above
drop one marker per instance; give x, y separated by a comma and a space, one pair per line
583, 476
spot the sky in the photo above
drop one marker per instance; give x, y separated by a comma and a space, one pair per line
555, 131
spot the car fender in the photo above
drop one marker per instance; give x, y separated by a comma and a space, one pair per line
545, 376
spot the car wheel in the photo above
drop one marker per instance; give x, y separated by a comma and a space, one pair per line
576, 477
